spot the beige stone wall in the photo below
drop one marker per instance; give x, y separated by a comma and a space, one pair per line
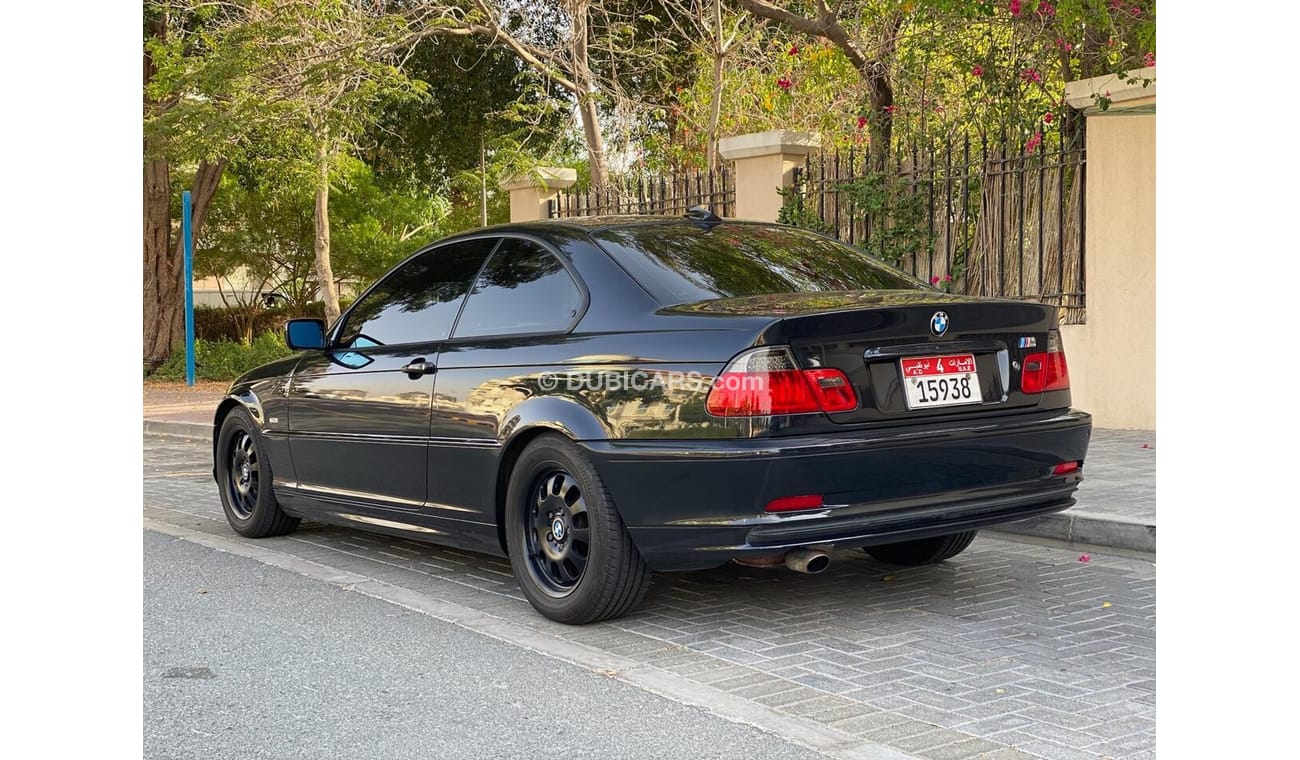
1113, 357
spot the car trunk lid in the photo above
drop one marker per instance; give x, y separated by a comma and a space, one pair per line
877, 336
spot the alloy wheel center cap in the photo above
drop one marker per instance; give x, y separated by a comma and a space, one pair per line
558, 528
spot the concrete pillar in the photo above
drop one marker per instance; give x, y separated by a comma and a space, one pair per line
530, 193
764, 162
1113, 357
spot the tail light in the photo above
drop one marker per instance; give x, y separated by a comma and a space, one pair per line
766, 381
1046, 371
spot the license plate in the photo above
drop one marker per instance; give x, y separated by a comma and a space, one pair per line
933, 381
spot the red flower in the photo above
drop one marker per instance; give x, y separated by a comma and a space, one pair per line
1045, 9
1047, 117
1031, 75
1116, 4
862, 122
1136, 11
1014, 7
934, 280
1149, 60
1034, 142
784, 83
947, 278
794, 50
1062, 44
890, 109
977, 71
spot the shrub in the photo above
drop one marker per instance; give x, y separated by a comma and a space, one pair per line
225, 359
216, 323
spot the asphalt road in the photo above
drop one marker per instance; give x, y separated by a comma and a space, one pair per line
243, 660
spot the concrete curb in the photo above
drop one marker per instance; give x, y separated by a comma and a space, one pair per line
1092, 528
200, 431
1071, 526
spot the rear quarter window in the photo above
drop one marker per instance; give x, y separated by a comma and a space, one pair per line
683, 262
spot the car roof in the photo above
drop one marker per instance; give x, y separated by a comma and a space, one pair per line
596, 223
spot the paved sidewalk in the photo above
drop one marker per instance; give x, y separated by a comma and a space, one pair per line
1116, 504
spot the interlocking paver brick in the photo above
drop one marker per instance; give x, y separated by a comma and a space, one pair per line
992, 647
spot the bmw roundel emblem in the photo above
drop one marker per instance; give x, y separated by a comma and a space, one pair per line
939, 323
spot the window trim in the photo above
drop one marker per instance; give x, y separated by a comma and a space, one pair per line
583, 291
336, 331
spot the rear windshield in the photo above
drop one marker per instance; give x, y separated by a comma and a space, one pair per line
685, 263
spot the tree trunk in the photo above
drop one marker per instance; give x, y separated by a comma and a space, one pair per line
715, 109
161, 285
324, 272
591, 132
715, 100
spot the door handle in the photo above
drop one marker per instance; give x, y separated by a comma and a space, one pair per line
419, 368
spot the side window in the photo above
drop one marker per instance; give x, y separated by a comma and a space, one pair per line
523, 289
418, 301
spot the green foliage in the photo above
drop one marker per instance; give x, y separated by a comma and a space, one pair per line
225, 359
795, 211
900, 212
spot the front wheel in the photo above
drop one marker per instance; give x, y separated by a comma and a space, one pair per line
244, 476
925, 551
571, 554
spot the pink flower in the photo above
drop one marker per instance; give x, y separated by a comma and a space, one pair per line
1085, 558
947, 278
977, 71
1034, 142
794, 50
784, 83
1116, 4
1014, 7
1031, 75
1045, 9
1136, 11
890, 109
1047, 117
1149, 60
934, 280
862, 122
1146, 445
1062, 44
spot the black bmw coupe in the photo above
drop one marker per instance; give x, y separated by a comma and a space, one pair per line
602, 398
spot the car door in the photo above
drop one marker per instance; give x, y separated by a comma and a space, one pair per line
525, 300
359, 410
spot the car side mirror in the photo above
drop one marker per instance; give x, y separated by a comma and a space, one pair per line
304, 334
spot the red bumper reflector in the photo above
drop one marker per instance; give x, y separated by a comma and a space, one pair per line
791, 503
1065, 468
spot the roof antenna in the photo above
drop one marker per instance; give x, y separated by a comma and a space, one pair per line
705, 215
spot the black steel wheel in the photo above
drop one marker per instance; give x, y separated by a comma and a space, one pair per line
572, 555
924, 551
558, 535
243, 473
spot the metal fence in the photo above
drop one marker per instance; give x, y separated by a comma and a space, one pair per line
1002, 218
634, 193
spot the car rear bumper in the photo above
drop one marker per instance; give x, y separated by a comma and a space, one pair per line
693, 504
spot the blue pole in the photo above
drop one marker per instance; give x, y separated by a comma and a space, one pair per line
188, 233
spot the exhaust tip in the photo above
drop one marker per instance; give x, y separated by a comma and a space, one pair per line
807, 561
818, 564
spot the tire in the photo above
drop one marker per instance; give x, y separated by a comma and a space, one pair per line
246, 494
571, 554
925, 551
